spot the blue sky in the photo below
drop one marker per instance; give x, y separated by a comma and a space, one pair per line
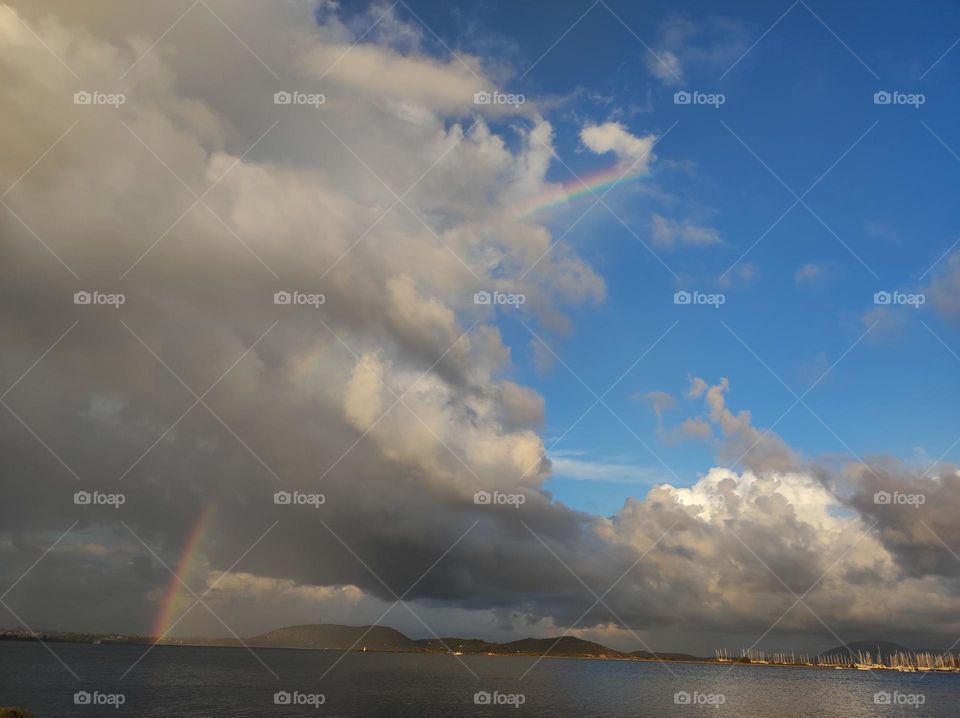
801, 100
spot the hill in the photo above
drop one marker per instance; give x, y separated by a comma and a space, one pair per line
329, 636
463, 645
665, 656
382, 638
333, 636
564, 646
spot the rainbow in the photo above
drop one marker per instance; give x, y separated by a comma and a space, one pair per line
573, 189
188, 561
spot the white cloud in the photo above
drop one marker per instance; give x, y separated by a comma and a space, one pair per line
665, 66
809, 273
570, 465
614, 137
668, 233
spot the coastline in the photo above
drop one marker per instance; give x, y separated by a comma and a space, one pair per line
625, 659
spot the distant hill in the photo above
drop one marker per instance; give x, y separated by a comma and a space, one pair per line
565, 646
382, 638
665, 656
463, 645
333, 636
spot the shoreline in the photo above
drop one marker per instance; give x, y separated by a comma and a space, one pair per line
625, 659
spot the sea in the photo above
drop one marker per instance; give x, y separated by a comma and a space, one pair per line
73, 679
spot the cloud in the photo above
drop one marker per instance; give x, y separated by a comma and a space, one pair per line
691, 49
809, 273
697, 428
613, 137
392, 397
389, 390
739, 442
668, 233
570, 465
660, 401
665, 67
944, 289
743, 272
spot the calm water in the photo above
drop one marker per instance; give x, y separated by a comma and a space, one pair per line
230, 682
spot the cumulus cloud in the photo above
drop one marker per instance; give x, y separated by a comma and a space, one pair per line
629, 149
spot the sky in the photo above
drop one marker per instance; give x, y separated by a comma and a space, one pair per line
674, 285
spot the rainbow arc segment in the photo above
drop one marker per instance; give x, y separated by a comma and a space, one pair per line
189, 560
573, 189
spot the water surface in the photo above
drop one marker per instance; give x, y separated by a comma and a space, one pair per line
215, 682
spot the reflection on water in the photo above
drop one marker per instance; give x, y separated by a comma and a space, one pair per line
178, 681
